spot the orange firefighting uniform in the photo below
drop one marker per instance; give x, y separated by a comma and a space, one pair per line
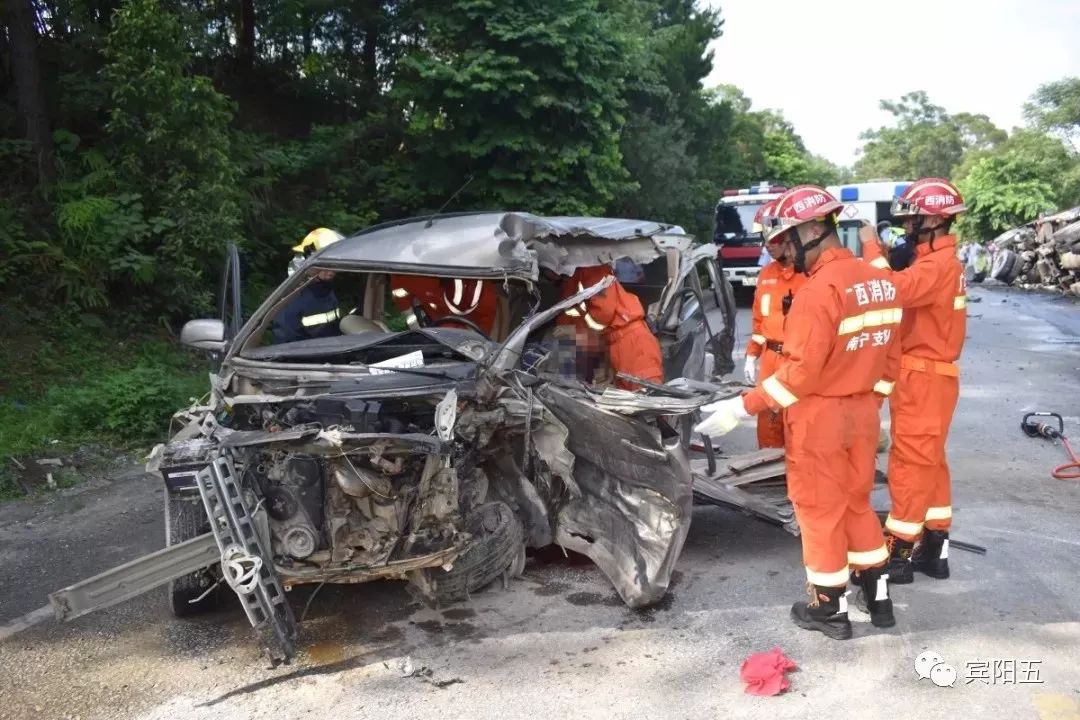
840, 349
442, 297
934, 293
616, 314
775, 282
476, 300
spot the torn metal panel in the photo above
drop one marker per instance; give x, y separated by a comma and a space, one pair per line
635, 403
754, 482
631, 513
510, 353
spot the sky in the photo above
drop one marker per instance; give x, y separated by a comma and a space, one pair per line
828, 63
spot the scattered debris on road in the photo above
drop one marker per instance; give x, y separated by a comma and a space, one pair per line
423, 673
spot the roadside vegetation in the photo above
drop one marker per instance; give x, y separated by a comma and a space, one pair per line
76, 384
139, 137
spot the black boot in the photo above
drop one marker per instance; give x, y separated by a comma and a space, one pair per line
873, 596
825, 612
899, 567
932, 554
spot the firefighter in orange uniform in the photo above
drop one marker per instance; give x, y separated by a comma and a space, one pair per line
440, 298
424, 291
474, 300
934, 297
617, 316
839, 351
777, 284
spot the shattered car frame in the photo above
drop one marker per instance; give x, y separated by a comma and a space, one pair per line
437, 455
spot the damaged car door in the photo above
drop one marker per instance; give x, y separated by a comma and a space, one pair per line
696, 322
628, 507
628, 490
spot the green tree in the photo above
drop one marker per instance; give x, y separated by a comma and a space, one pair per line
763, 145
169, 142
923, 141
671, 127
1028, 173
524, 97
1055, 108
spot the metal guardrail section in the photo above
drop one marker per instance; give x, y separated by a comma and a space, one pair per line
134, 578
259, 589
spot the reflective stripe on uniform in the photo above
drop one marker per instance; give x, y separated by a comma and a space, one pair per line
594, 325
759, 339
778, 392
320, 318
884, 387
828, 579
918, 364
575, 312
868, 557
766, 302
939, 513
454, 303
870, 318
880, 263
959, 302
400, 293
902, 527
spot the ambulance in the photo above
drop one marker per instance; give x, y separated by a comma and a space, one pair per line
741, 250
868, 201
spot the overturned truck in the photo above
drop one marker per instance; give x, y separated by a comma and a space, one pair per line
436, 454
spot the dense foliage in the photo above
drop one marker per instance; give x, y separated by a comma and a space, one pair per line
140, 136
1006, 179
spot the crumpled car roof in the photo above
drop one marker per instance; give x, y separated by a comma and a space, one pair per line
502, 243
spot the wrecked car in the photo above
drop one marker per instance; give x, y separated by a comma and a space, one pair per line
437, 454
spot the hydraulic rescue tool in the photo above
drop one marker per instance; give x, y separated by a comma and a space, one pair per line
1034, 426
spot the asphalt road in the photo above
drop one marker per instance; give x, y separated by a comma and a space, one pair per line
558, 643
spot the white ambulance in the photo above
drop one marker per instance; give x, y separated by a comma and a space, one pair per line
870, 201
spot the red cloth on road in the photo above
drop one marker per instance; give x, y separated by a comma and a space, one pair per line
763, 672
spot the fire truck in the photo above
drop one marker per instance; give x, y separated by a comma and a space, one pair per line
741, 248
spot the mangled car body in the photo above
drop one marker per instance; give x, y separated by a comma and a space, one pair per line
436, 454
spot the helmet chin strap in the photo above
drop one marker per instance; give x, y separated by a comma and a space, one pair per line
919, 230
801, 250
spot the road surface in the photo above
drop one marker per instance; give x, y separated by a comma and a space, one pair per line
557, 643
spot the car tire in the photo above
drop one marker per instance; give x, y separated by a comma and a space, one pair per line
1019, 267
1004, 263
978, 277
185, 518
498, 547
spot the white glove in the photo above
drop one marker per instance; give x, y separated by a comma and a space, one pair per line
725, 416
750, 370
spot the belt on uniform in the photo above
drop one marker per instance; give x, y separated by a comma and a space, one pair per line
776, 347
918, 364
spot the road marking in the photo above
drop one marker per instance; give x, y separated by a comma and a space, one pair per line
25, 622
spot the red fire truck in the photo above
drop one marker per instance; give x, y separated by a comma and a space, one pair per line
740, 246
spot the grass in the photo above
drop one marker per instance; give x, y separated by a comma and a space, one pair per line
86, 381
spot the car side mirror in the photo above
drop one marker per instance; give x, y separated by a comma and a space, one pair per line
207, 335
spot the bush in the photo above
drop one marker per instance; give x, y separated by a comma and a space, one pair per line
127, 405
86, 383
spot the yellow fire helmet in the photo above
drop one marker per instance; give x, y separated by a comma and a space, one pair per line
316, 240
